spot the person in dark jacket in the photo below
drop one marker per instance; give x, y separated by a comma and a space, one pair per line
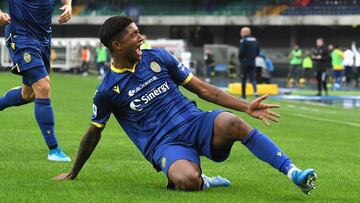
321, 59
248, 50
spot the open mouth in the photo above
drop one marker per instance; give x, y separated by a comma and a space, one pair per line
138, 51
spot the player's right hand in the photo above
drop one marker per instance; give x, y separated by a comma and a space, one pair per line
64, 176
66, 13
262, 111
4, 19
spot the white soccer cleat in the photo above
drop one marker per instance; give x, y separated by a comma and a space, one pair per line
214, 182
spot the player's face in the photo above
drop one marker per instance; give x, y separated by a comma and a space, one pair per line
132, 40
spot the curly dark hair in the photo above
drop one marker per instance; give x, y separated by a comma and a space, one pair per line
112, 28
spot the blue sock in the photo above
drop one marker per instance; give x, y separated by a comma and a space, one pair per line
266, 150
12, 98
44, 115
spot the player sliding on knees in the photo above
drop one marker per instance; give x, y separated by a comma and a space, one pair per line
141, 91
28, 38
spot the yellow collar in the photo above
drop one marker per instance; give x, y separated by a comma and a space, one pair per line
121, 70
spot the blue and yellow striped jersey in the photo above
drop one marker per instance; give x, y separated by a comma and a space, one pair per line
30, 22
145, 99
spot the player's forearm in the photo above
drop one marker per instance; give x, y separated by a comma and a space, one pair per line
219, 97
87, 146
66, 2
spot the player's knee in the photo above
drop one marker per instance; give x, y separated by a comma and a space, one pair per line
237, 127
190, 181
29, 97
42, 89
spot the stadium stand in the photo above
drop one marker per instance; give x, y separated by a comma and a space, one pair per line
213, 7
320, 7
174, 7
219, 7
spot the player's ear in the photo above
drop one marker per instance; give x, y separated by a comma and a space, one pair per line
116, 45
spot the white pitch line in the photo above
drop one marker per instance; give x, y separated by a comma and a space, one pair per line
326, 120
313, 109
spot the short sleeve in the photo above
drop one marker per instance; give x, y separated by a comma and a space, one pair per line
101, 110
178, 72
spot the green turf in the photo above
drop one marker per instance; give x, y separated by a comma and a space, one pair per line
324, 137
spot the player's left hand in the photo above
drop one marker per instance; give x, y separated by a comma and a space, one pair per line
66, 14
64, 176
261, 111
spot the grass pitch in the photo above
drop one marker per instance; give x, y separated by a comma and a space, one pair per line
326, 138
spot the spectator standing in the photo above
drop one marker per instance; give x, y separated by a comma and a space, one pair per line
232, 66
320, 57
357, 62
209, 65
262, 72
337, 57
85, 59
295, 61
101, 59
348, 65
248, 50
307, 67
270, 67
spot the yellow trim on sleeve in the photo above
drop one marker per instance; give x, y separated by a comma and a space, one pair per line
121, 70
97, 124
187, 79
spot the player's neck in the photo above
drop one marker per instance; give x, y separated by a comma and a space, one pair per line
120, 63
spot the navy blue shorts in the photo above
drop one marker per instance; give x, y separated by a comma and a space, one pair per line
30, 61
189, 141
33, 75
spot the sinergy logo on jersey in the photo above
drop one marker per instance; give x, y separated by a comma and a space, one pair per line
137, 104
140, 87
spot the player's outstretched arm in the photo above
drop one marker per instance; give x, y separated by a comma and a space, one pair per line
87, 146
66, 11
217, 96
4, 18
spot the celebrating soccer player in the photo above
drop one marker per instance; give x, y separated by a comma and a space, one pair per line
28, 38
141, 91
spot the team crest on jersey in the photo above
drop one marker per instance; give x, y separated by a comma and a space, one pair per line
155, 67
163, 162
27, 57
116, 89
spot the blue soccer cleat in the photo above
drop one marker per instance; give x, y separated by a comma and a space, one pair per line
305, 180
215, 181
58, 155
